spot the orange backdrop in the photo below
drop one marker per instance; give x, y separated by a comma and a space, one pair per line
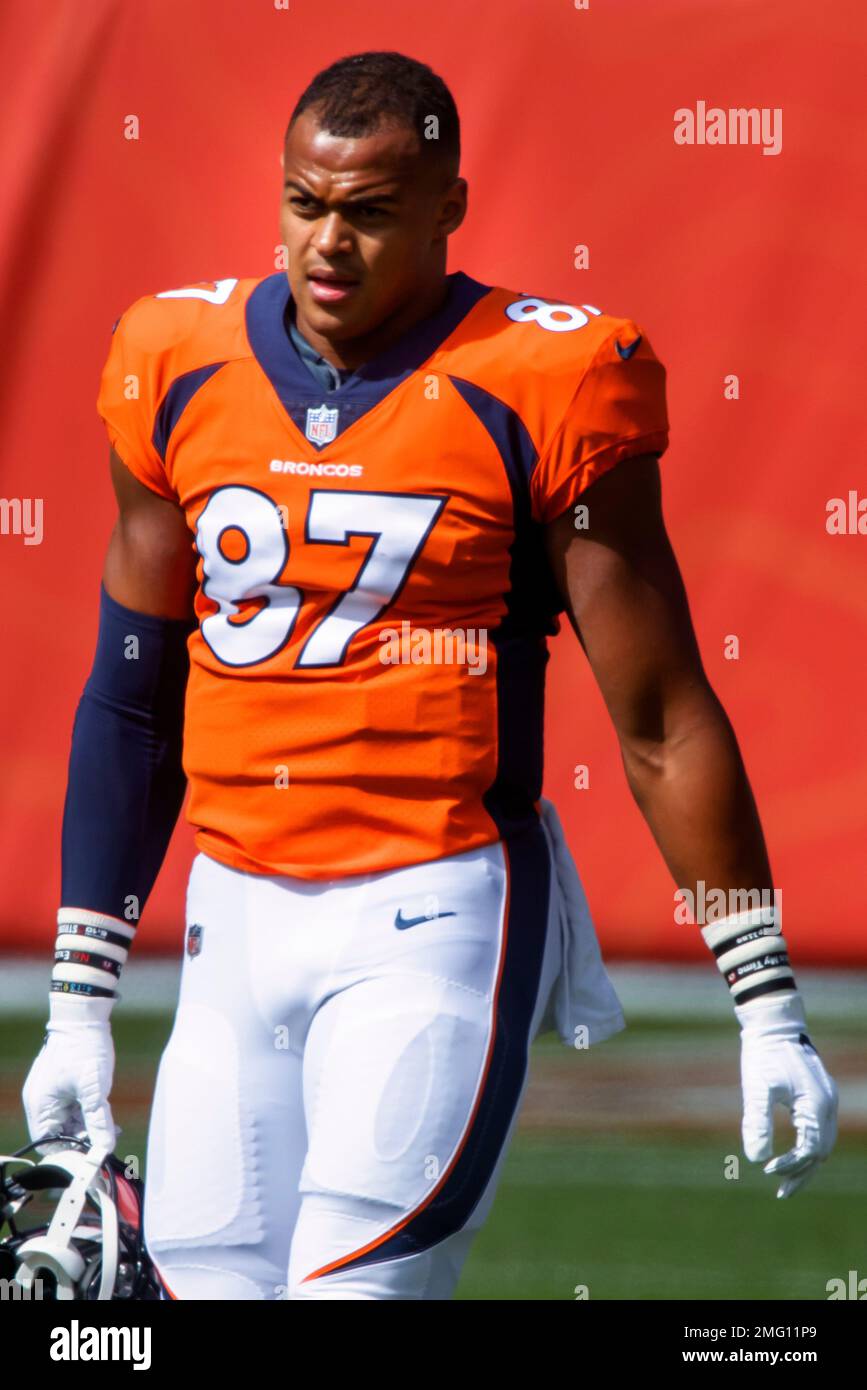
734, 261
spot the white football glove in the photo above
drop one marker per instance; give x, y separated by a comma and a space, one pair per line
780, 1064
68, 1085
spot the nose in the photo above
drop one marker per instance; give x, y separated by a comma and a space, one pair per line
332, 235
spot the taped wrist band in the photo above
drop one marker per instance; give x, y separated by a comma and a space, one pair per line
751, 953
90, 952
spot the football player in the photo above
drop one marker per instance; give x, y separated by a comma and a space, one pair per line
337, 484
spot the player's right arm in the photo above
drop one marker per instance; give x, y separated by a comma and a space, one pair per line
150, 564
124, 791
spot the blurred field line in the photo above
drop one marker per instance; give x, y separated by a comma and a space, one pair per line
645, 990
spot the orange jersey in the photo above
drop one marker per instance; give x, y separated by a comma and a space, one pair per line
367, 675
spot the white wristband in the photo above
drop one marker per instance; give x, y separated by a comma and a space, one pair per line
89, 954
752, 954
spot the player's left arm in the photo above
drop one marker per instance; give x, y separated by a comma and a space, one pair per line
626, 601
625, 598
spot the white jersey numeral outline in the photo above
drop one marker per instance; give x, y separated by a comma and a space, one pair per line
218, 295
531, 309
398, 522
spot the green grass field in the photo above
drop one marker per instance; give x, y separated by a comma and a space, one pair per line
615, 1180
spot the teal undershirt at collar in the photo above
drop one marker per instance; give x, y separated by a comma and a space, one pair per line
326, 374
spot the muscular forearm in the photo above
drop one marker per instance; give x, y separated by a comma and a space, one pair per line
693, 791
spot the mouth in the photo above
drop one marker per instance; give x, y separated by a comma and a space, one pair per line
327, 287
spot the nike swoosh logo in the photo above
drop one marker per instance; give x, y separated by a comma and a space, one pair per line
402, 922
626, 352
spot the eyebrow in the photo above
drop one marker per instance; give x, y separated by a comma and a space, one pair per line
358, 198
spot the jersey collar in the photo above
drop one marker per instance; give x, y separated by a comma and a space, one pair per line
335, 410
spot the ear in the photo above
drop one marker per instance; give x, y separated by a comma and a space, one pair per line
455, 206
281, 159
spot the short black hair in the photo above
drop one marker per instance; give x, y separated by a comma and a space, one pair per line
357, 95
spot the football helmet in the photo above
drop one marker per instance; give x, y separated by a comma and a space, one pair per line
91, 1246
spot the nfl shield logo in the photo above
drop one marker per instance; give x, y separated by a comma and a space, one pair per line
322, 424
194, 939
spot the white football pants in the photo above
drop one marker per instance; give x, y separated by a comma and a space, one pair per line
343, 1078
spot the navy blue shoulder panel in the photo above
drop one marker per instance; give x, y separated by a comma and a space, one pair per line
175, 402
532, 603
532, 599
